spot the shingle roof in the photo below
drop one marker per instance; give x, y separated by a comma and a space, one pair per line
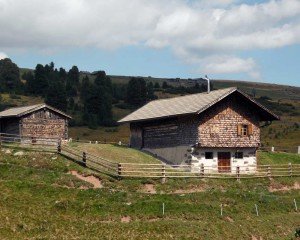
189, 104
20, 111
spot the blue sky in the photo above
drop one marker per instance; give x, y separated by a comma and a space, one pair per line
225, 39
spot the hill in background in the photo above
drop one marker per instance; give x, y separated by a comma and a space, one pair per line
281, 99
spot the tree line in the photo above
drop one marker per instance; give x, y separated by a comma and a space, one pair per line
89, 98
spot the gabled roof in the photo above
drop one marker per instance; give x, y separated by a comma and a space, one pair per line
189, 104
21, 111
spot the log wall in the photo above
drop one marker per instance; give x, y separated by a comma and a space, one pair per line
165, 133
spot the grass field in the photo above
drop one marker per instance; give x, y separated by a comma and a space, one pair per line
40, 200
116, 153
103, 134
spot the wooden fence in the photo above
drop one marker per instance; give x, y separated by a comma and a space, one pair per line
291, 149
28, 142
163, 171
139, 170
187, 171
88, 160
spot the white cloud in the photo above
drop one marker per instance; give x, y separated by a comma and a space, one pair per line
228, 64
3, 55
192, 29
224, 64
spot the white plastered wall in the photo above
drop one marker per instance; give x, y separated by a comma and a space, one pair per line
247, 164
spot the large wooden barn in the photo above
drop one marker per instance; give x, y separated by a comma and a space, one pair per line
220, 129
36, 121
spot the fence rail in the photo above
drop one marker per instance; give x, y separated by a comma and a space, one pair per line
187, 171
91, 161
154, 170
28, 142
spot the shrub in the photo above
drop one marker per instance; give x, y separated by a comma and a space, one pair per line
14, 96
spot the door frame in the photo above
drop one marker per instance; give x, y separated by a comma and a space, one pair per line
222, 157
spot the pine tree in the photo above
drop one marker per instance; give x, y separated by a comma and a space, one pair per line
40, 84
136, 92
9, 76
56, 95
156, 85
150, 92
165, 85
72, 83
98, 101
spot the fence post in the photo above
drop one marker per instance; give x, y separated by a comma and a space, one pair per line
119, 171
269, 172
290, 170
238, 173
59, 147
84, 158
202, 170
163, 180
272, 149
221, 210
256, 209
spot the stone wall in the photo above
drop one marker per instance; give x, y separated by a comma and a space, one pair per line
247, 164
44, 123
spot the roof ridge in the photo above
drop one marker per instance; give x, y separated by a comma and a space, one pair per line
21, 110
34, 105
193, 94
189, 104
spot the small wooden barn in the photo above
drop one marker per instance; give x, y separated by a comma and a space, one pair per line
220, 129
36, 121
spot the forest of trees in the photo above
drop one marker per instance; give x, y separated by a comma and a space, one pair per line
89, 98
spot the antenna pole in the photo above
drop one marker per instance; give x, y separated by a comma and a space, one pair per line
208, 83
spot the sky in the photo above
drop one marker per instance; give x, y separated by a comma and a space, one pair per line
253, 40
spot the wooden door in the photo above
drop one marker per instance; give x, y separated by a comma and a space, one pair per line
224, 162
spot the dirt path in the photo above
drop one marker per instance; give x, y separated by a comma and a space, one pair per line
296, 186
148, 188
90, 179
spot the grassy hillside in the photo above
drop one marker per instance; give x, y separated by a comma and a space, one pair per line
40, 199
115, 153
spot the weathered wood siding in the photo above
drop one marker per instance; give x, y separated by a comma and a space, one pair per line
44, 123
165, 133
136, 136
218, 126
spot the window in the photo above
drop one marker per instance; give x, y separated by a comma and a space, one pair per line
209, 155
244, 129
239, 155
